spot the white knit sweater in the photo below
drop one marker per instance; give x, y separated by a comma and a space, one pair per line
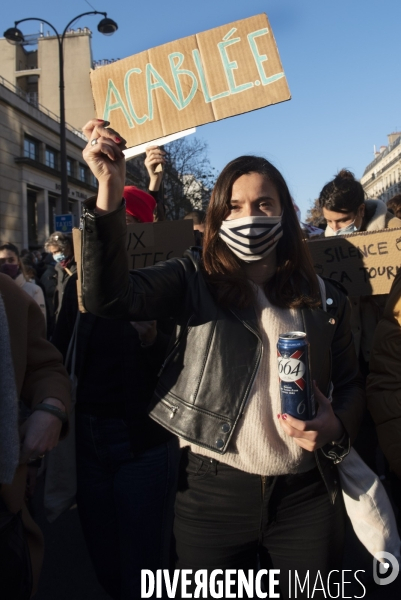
259, 445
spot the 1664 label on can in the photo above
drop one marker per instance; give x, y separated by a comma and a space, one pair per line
297, 398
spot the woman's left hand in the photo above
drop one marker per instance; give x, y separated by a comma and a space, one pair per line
314, 434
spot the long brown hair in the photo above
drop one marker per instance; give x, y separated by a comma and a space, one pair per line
294, 283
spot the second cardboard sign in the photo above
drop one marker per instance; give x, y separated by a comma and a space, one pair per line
365, 263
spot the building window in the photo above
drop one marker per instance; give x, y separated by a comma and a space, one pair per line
69, 167
93, 180
31, 148
52, 212
82, 172
51, 158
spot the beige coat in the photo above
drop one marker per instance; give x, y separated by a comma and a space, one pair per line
384, 381
39, 374
34, 292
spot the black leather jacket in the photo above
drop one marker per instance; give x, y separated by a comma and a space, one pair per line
214, 356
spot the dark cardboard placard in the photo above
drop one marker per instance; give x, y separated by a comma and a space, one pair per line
150, 243
147, 244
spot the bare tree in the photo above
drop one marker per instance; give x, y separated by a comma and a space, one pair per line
188, 177
314, 216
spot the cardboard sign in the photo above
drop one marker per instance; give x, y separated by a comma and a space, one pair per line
77, 241
202, 78
365, 263
150, 243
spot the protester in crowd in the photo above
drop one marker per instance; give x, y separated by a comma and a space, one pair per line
198, 217
394, 205
29, 269
48, 282
384, 387
31, 370
41, 265
126, 463
139, 205
12, 265
346, 211
249, 480
61, 247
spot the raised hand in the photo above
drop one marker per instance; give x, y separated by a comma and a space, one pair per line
105, 158
154, 158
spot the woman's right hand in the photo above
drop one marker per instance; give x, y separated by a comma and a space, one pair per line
107, 163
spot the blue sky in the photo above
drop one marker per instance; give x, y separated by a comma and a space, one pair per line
342, 61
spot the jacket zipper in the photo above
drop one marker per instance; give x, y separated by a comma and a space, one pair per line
263, 480
173, 409
187, 329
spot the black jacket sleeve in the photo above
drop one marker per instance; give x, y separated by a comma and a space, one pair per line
110, 290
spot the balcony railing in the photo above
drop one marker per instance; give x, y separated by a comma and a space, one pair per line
96, 64
382, 155
32, 98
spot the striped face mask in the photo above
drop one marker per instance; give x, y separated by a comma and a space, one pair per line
251, 238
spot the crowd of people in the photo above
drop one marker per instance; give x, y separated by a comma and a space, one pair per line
184, 457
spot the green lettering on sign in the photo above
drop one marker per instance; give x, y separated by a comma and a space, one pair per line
117, 105
154, 85
138, 120
261, 58
202, 79
176, 71
229, 67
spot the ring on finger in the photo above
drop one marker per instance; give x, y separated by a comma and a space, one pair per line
94, 141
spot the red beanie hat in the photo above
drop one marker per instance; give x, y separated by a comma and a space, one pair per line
139, 204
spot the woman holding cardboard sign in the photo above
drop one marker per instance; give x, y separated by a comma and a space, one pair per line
253, 480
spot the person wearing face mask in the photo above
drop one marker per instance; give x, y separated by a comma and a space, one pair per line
253, 481
11, 264
346, 211
61, 247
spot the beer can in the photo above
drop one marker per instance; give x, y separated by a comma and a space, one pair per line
296, 391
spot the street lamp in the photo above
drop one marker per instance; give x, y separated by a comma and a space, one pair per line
15, 36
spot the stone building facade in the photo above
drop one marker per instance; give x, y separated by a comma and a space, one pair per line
381, 179
36, 72
30, 170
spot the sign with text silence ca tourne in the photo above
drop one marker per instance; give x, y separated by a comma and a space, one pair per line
365, 263
199, 79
